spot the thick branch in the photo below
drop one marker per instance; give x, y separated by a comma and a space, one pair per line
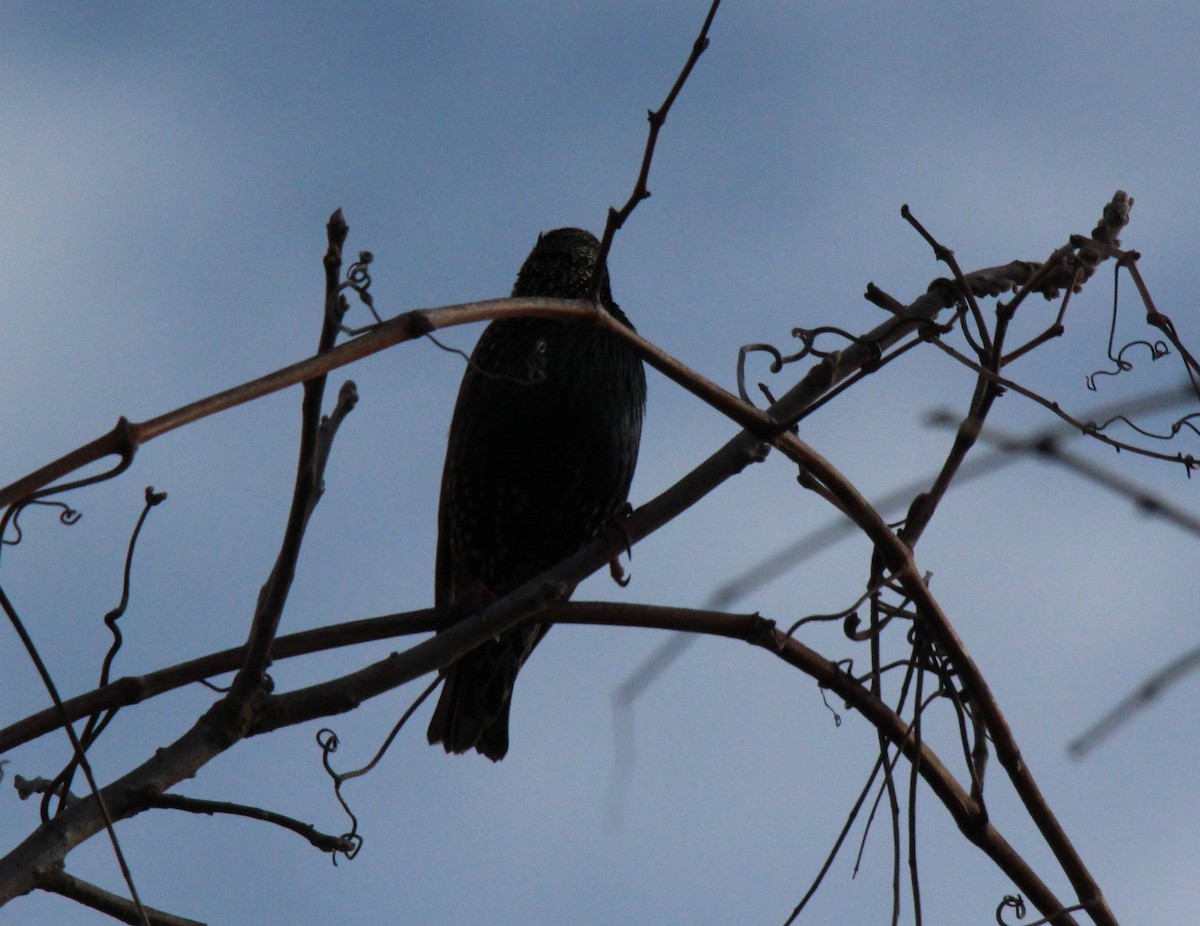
127, 437
135, 689
41, 854
750, 628
346, 692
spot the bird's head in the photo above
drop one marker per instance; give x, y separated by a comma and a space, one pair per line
561, 266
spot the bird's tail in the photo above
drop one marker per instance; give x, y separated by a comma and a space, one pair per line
472, 712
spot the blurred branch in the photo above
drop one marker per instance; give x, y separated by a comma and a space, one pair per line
774, 566
1048, 447
1135, 702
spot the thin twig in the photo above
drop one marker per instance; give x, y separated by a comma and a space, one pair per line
106, 902
308, 482
323, 841
616, 218
106, 817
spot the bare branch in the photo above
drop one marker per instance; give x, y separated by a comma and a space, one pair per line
310, 474
97, 898
319, 840
657, 118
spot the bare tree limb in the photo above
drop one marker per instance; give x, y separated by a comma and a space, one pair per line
97, 898
657, 118
318, 840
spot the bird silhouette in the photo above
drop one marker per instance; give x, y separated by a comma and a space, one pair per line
542, 449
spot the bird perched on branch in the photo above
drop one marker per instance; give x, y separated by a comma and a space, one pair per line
542, 449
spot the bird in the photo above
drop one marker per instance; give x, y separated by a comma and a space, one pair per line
541, 452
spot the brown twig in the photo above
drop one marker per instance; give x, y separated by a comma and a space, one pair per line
944, 254
104, 814
616, 218
314, 452
751, 628
108, 903
318, 840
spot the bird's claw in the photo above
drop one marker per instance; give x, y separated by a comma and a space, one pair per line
617, 524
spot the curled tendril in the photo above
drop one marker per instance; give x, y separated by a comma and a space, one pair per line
846, 615
357, 273
96, 723
1176, 426
1158, 350
808, 338
352, 841
535, 363
776, 365
1017, 904
358, 279
355, 842
328, 740
67, 515
842, 665
837, 718
851, 628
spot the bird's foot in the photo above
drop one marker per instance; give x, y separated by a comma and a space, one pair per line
616, 525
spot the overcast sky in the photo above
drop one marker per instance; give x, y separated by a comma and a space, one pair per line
166, 171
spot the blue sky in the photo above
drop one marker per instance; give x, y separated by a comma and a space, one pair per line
166, 171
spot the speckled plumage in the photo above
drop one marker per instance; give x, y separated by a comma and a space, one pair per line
542, 449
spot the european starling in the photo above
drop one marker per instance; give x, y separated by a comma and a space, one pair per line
542, 449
